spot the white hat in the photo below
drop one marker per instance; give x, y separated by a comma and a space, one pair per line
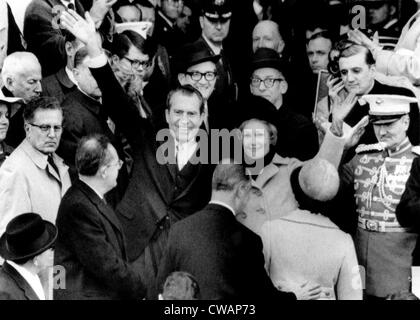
141, 27
386, 108
14, 103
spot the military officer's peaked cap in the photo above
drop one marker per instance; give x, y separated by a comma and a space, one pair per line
385, 108
217, 9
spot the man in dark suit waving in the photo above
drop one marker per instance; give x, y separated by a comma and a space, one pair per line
224, 256
91, 244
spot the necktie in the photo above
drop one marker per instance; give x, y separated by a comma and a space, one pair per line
53, 165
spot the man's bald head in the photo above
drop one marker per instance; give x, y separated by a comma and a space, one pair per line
266, 34
21, 75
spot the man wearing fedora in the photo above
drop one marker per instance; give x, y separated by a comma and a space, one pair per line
379, 172
298, 136
26, 246
215, 24
197, 66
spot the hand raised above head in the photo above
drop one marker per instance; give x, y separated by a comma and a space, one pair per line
82, 29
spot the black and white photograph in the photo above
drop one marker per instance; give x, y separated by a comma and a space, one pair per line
231, 151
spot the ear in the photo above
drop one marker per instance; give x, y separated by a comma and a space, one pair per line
284, 86
103, 172
69, 49
392, 10
76, 72
26, 126
406, 121
9, 83
280, 47
181, 79
115, 59
201, 22
167, 115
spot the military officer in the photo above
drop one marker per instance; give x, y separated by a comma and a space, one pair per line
379, 173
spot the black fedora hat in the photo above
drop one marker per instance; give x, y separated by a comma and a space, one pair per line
267, 58
27, 236
192, 54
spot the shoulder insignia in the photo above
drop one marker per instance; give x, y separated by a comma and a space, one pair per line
365, 148
416, 150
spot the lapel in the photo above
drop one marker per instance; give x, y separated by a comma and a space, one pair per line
271, 170
20, 282
103, 209
91, 104
64, 79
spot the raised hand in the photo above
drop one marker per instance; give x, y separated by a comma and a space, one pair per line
340, 108
360, 38
100, 8
82, 29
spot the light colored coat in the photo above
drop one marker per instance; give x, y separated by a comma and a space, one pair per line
305, 247
29, 184
272, 196
405, 59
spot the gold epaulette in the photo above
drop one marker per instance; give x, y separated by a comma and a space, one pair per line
365, 148
416, 150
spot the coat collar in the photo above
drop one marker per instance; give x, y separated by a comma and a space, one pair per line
20, 281
41, 160
271, 170
99, 203
64, 79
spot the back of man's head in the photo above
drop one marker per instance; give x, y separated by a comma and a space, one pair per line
228, 175
91, 154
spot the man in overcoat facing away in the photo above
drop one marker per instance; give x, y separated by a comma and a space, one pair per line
91, 243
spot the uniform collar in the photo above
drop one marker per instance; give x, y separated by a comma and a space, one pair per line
400, 148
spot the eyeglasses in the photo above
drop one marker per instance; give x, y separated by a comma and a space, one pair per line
268, 82
135, 64
47, 128
119, 164
196, 76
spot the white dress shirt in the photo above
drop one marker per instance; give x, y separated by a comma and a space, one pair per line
184, 151
32, 279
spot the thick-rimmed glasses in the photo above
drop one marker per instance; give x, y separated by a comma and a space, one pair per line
47, 128
136, 64
268, 82
197, 76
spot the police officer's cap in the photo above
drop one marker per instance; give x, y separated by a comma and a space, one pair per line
217, 9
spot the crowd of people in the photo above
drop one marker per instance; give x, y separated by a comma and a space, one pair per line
209, 149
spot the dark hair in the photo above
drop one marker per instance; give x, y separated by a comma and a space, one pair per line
227, 175
346, 48
322, 34
123, 41
43, 103
146, 46
187, 90
91, 154
68, 36
80, 56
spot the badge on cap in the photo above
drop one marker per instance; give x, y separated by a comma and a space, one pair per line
385, 108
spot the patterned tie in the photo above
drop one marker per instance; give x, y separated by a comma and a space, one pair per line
53, 165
